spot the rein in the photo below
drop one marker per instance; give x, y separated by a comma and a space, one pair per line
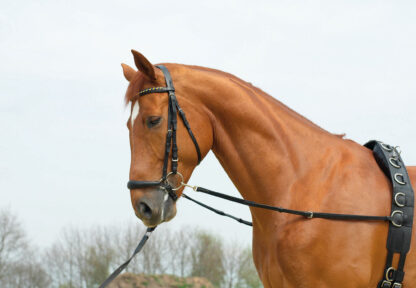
388, 158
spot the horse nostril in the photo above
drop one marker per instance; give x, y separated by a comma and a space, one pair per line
145, 210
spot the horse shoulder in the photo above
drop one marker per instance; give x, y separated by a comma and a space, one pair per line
412, 174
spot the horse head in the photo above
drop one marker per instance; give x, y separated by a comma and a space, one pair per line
154, 200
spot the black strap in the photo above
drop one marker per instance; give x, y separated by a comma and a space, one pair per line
174, 126
191, 134
124, 265
167, 146
219, 212
172, 96
156, 90
132, 184
307, 214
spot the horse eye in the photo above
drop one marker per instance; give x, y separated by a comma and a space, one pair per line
153, 121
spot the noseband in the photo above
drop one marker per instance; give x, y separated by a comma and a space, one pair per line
167, 181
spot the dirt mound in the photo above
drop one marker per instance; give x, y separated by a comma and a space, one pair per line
129, 280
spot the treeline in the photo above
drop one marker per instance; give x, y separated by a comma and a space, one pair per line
84, 258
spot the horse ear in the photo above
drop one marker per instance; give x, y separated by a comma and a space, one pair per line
144, 65
128, 72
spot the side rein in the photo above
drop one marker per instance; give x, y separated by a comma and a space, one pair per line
388, 158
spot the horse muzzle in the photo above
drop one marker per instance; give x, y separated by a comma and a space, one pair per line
155, 207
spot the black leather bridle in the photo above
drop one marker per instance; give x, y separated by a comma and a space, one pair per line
166, 183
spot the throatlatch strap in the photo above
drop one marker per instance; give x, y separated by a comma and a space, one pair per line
191, 134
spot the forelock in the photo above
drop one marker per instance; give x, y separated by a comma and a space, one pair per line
136, 84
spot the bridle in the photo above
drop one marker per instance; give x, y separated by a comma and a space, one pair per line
167, 182
388, 158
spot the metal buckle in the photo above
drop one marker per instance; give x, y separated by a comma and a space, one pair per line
398, 149
394, 224
394, 162
396, 200
386, 284
386, 147
397, 285
388, 271
396, 178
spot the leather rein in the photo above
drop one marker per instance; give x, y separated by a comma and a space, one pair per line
400, 220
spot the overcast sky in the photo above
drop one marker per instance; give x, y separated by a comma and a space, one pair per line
349, 66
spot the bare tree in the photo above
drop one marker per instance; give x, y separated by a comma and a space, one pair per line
126, 239
231, 262
13, 241
84, 258
180, 252
98, 255
65, 259
154, 257
206, 258
81, 258
30, 273
19, 267
247, 273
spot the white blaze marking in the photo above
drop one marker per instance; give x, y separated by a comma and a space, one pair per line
165, 198
134, 112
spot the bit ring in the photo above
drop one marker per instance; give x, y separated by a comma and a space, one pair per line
180, 180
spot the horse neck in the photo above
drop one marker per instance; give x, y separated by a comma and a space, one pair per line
264, 147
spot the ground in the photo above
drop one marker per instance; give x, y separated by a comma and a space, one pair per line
129, 280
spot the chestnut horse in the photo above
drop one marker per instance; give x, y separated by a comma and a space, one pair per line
273, 156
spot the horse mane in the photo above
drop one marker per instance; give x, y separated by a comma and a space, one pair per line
137, 84
250, 87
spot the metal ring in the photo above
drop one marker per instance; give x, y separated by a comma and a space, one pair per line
394, 161
386, 147
397, 202
390, 269
180, 182
398, 149
392, 219
397, 179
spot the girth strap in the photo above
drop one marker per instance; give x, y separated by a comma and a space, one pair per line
400, 227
